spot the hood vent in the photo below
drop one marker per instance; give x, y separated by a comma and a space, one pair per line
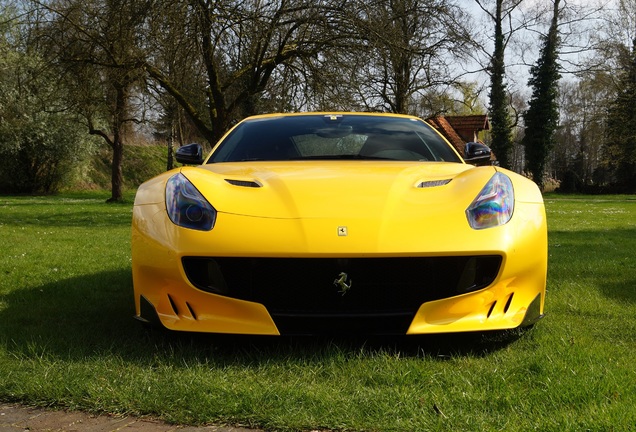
244, 183
432, 183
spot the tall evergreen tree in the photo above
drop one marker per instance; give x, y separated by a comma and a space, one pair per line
620, 147
542, 116
499, 116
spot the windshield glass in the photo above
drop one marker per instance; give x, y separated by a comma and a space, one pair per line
333, 137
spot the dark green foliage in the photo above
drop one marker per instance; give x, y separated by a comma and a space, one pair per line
542, 116
39, 142
500, 119
499, 115
39, 153
621, 135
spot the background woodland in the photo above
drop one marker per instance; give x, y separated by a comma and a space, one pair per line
557, 78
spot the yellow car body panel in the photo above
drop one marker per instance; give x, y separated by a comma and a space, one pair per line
300, 209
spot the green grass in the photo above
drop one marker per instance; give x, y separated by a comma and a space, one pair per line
68, 340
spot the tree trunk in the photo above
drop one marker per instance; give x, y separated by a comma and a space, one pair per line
117, 178
119, 122
170, 163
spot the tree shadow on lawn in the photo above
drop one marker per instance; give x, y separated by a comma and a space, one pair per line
602, 258
92, 317
623, 291
68, 219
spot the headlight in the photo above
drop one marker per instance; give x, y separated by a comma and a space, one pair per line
186, 206
494, 204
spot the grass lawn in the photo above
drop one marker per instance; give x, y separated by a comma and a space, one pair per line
68, 340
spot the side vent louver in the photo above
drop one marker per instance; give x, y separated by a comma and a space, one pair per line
492, 307
194, 315
432, 183
244, 183
173, 304
507, 306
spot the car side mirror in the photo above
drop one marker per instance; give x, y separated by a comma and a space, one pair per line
477, 153
190, 154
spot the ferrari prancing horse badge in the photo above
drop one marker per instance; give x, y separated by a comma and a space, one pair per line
343, 282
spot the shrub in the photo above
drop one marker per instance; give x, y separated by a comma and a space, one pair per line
39, 152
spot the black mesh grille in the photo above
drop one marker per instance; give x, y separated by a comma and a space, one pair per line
376, 294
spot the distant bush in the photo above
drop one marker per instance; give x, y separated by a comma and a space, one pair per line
39, 152
40, 144
550, 184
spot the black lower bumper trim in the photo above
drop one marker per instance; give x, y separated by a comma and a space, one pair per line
148, 314
343, 323
533, 314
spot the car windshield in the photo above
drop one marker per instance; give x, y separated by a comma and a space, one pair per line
333, 137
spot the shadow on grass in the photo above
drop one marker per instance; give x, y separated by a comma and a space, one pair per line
92, 316
623, 291
601, 258
94, 217
64, 211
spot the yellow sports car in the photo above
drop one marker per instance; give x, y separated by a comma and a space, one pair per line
337, 223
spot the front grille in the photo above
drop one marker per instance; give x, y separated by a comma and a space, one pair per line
373, 292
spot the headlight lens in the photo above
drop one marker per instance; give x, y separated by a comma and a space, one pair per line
186, 206
494, 204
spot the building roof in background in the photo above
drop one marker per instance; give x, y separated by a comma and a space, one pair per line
470, 122
459, 130
444, 127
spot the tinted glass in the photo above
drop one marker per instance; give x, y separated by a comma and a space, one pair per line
333, 137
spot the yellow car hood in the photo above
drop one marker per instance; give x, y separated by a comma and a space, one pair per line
328, 189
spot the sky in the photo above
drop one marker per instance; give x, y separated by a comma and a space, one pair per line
577, 26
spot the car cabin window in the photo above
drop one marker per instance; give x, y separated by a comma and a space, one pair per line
310, 145
333, 137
